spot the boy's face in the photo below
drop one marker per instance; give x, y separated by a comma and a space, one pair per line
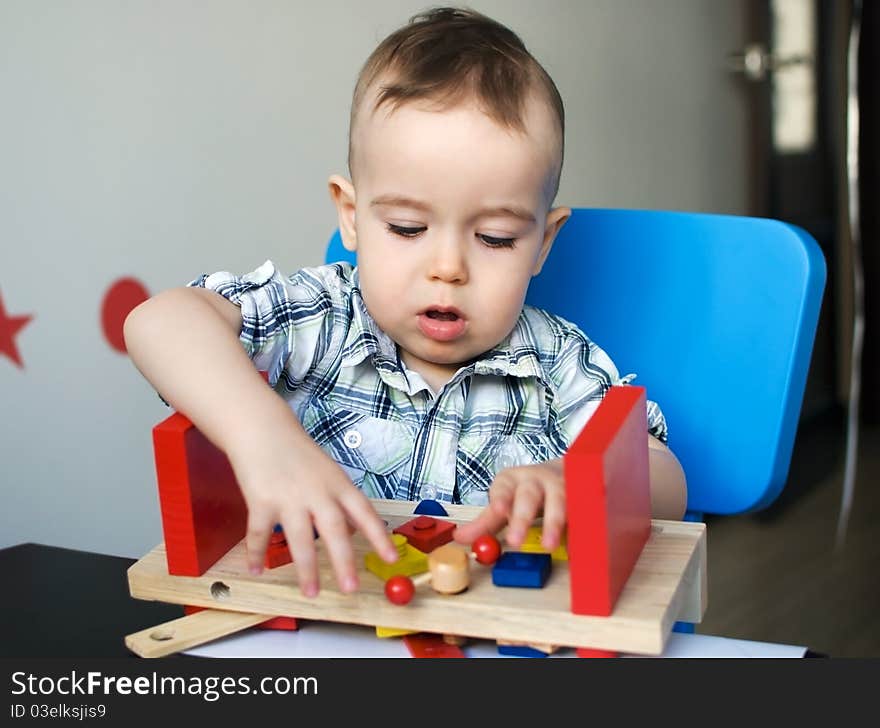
449, 215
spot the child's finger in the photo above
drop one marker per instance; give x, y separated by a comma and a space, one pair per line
502, 493
554, 516
493, 517
489, 521
362, 514
526, 504
333, 527
259, 530
300, 536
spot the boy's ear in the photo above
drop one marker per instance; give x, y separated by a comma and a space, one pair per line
555, 220
343, 196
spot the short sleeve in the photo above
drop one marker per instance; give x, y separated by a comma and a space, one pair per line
582, 374
283, 320
657, 423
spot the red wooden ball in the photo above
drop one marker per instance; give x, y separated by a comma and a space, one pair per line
399, 589
487, 549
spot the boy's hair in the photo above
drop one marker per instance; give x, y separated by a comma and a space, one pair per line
449, 54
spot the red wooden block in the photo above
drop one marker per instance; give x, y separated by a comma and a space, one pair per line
430, 645
588, 652
277, 554
426, 533
281, 623
203, 512
608, 500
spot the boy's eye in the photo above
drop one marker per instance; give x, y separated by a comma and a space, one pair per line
405, 231
494, 242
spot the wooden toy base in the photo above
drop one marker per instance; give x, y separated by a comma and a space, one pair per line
667, 584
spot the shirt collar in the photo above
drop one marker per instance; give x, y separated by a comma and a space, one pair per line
515, 356
365, 338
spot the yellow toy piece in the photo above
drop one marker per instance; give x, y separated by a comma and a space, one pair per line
532, 544
411, 561
393, 632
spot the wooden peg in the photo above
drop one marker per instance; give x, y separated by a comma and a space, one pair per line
448, 570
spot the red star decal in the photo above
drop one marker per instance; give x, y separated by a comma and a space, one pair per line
9, 327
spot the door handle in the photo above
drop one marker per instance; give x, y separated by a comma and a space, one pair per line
755, 62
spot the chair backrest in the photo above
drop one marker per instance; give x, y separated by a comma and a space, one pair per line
716, 314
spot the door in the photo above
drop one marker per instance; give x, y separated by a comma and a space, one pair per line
793, 69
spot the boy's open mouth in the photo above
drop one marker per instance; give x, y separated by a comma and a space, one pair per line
442, 323
441, 315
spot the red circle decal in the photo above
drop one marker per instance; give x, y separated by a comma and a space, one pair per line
120, 299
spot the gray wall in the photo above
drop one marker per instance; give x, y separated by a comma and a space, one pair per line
165, 139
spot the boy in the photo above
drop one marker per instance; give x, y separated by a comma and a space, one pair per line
419, 374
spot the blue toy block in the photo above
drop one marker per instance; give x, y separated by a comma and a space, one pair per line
520, 651
519, 569
277, 529
430, 508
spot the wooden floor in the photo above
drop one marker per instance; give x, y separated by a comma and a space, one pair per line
777, 576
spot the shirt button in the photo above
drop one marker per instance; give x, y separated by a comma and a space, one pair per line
352, 439
429, 492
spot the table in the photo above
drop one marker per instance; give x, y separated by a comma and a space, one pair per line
63, 603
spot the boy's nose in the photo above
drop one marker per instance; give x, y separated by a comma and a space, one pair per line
448, 263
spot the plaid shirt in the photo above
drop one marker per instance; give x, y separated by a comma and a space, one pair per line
522, 402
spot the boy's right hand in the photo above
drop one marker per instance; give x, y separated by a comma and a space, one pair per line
292, 481
186, 343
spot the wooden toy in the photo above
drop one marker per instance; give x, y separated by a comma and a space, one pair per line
448, 570
277, 552
203, 511
642, 589
520, 569
608, 497
189, 631
426, 532
532, 544
511, 650
431, 645
384, 632
430, 508
667, 583
285, 624
411, 561
545, 649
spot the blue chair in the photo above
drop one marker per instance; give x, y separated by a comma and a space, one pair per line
715, 314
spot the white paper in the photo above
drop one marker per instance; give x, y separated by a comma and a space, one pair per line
326, 639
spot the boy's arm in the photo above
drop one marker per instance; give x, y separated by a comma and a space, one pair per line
668, 483
185, 343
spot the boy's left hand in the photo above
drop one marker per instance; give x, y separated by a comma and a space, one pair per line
516, 497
